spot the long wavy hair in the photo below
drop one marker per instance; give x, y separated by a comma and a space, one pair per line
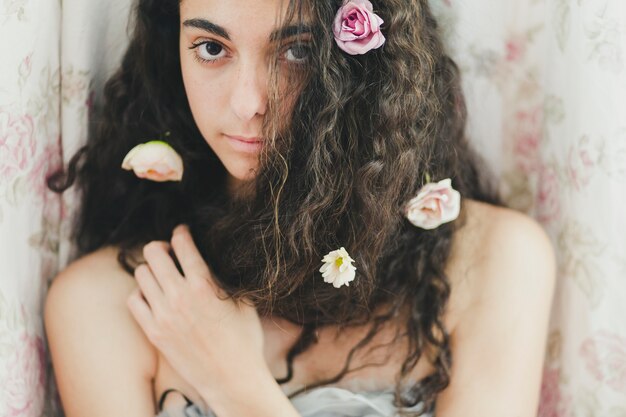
364, 135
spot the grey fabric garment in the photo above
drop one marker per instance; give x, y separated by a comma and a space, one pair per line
325, 402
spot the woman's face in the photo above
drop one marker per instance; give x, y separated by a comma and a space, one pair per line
226, 48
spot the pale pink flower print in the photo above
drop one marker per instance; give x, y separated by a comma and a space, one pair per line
25, 69
75, 86
47, 162
17, 144
515, 48
604, 355
527, 140
548, 196
592, 362
580, 164
24, 388
552, 403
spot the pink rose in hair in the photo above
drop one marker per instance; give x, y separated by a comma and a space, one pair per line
357, 27
435, 204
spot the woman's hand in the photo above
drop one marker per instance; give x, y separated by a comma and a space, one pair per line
210, 340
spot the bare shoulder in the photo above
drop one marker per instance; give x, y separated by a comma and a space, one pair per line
502, 275
101, 358
499, 249
498, 224
99, 272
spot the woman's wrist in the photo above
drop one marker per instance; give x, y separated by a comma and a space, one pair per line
253, 392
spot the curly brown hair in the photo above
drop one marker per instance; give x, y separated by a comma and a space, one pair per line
363, 137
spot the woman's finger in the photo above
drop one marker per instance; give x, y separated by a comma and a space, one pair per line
149, 286
156, 253
140, 310
191, 261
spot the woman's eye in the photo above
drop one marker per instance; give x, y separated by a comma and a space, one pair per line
298, 53
210, 51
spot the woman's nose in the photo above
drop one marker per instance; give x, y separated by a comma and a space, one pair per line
249, 93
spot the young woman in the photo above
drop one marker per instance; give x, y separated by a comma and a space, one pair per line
331, 248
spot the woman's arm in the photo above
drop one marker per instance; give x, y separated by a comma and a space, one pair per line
103, 363
214, 343
253, 394
499, 341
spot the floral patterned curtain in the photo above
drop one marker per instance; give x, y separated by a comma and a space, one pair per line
546, 87
29, 215
54, 58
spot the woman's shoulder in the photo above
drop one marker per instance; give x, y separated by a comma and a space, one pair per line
94, 276
87, 301
493, 234
502, 251
502, 281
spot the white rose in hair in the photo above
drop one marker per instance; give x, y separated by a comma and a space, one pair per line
435, 204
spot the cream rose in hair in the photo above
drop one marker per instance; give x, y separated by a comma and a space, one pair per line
435, 204
155, 160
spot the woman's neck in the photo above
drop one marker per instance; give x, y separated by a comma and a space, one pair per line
236, 188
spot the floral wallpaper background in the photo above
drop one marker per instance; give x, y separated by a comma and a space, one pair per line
546, 87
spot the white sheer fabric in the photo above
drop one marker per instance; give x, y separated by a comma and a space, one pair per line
546, 88
324, 402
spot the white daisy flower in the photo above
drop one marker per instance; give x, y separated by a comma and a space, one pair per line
338, 269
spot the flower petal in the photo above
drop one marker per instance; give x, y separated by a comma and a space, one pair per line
154, 160
435, 204
338, 275
357, 28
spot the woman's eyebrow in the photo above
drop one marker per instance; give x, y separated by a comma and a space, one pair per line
278, 34
207, 26
289, 31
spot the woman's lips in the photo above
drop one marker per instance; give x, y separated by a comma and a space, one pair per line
245, 144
